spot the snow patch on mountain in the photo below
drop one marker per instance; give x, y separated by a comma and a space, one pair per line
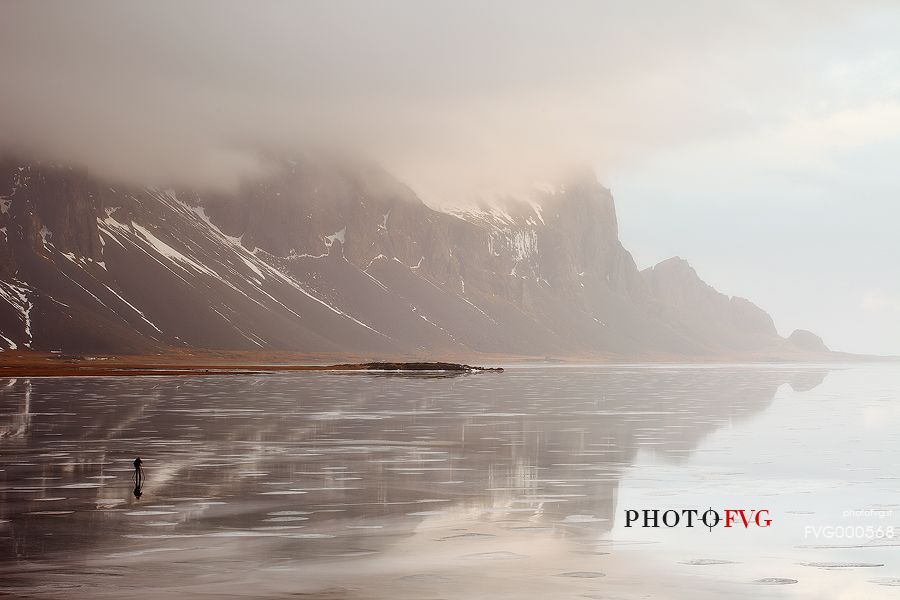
201, 214
336, 236
134, 308
169, 252
519, 244
16, 294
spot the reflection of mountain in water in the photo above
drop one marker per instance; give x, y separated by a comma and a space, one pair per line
323, 453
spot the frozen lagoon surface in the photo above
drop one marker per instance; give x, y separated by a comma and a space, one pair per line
512, 485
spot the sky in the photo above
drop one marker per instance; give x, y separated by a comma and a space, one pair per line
758, 140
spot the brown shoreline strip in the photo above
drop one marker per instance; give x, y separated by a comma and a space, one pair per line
125, 370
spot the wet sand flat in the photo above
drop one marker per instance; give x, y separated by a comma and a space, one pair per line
367, 485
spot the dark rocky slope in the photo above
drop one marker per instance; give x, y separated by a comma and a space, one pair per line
337, 256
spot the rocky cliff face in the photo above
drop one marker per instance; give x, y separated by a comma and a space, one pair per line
807, 341
689, 305
338, 256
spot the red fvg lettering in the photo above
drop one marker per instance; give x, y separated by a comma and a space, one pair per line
754, 517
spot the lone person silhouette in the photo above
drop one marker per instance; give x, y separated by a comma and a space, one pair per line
138, 473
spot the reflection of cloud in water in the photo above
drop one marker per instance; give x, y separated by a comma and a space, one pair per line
316, 465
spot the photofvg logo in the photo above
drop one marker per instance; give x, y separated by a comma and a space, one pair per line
729, 518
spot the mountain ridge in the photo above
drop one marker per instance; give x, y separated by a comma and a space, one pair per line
334, 256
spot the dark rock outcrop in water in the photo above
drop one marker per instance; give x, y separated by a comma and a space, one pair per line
422, 366
338, 256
